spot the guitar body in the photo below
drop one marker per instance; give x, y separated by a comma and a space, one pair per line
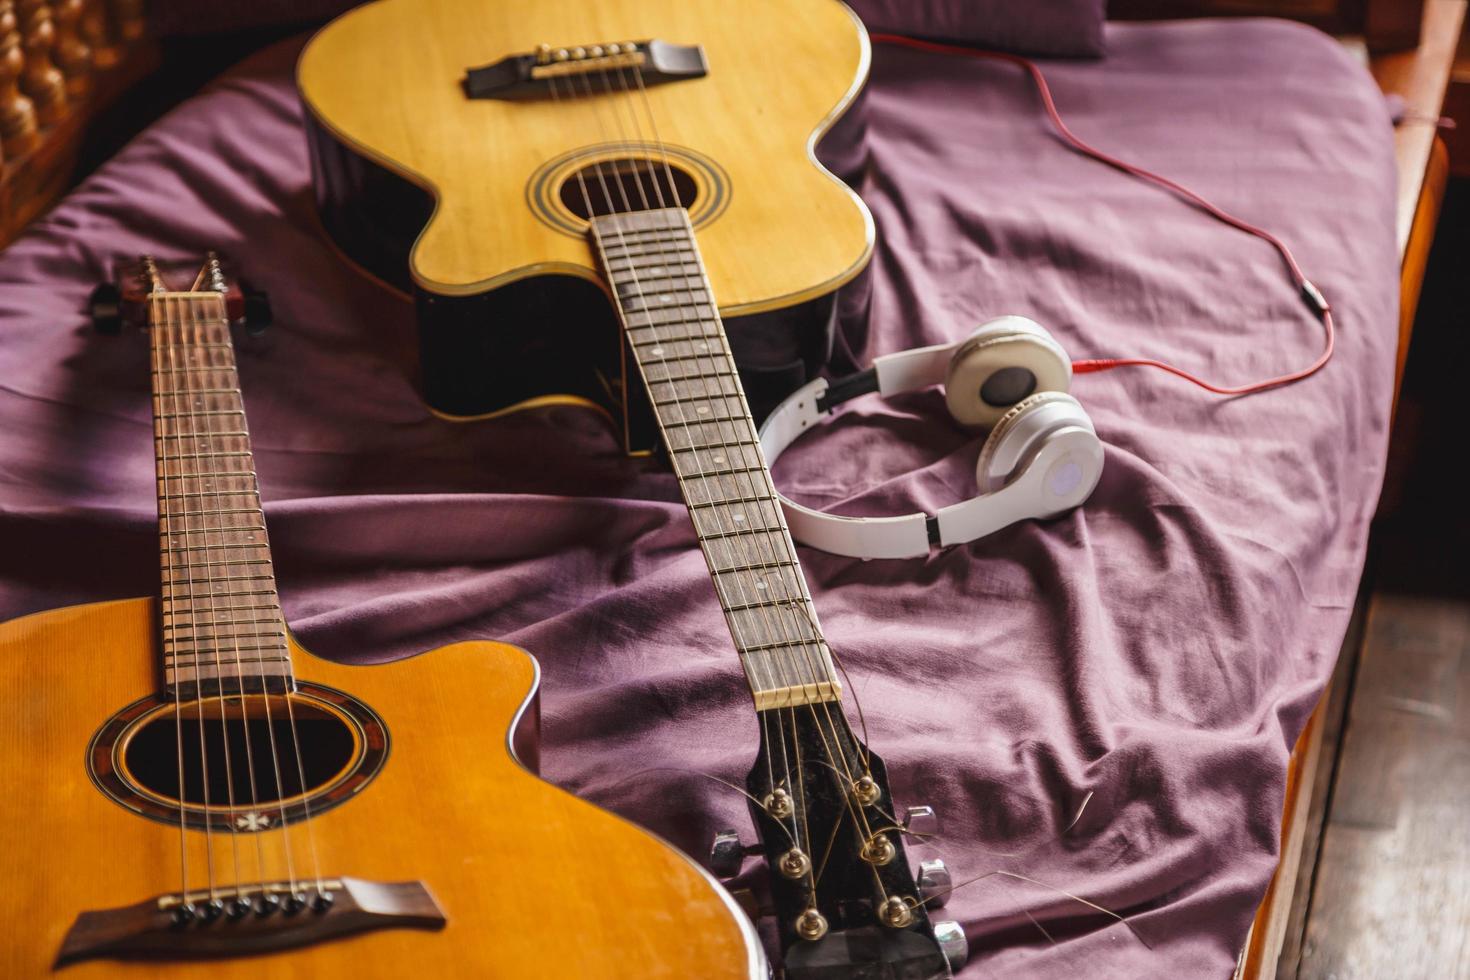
532, 882
473, 203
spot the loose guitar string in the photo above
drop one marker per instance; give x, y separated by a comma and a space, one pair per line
693, 448
802, 603
775, 562
251, 611
202, 417
156, 353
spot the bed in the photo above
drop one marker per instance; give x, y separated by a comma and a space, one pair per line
1100, 708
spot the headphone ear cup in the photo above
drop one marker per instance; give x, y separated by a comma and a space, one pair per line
1047, 420
1003, 362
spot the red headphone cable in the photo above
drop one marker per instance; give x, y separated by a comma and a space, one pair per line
1310, 294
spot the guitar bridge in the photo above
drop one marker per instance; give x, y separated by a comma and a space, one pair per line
524, 76
258, 919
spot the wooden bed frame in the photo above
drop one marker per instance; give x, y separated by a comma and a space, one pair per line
64, 62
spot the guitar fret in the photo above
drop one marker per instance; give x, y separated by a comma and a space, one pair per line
195, 654
672, 325
759, 565
165, 436
762, 499
200, 414
211, 513
194, 627
236, 607
208, 455
247, 527
215, 594
207, 493
227, 562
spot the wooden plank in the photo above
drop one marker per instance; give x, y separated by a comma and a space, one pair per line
1392, 898
1416, 252
1420, 77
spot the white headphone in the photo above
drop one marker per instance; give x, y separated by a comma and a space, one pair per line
1042, 456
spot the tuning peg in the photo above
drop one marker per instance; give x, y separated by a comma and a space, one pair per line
104, 306
952, 943
935, 883
920, 821
727, 854
258, 313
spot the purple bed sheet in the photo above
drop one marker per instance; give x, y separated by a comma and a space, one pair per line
1148, 660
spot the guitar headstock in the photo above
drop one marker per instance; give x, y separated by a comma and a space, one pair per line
843, 896
126, 301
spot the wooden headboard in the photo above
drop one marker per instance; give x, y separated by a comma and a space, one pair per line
61, 63
1385, 25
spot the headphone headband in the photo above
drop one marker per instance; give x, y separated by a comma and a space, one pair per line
1042, 458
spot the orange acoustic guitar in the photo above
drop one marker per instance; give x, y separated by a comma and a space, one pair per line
189, 794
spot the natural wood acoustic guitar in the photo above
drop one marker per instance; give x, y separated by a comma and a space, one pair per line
189, 794
450, 140
643, 159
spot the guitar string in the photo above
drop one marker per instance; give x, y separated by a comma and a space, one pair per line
632, 268
741, 548
170, 304
227, 383
795, 832
693, 448
287, 686
622, 241
169, 601
802, 600
791, 678
195, 323
857, 811
265, 697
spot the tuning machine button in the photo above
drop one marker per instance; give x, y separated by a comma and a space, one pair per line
258, 313
935, 883
952, 943
920, 821
104, 306
727, 854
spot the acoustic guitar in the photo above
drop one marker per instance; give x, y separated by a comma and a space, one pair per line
190, 794
454, 173
492, 107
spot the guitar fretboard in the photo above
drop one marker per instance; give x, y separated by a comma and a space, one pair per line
674, 330
222, 626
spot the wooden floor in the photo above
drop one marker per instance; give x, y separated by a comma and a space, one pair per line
1384, 886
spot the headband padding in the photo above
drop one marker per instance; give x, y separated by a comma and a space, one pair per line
1006, 342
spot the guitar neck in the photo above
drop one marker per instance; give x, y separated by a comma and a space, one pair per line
674, 331
222, 626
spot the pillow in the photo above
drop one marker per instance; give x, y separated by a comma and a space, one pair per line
1062, 28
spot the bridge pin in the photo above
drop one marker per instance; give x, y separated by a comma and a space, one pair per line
295, 903
238, 907
266, 904
212, 910
183, 914
322, 902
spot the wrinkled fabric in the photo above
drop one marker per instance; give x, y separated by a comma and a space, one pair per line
1102, 704
1060, 28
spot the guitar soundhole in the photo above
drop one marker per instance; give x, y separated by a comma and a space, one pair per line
627, 184
258, 766
246, 756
